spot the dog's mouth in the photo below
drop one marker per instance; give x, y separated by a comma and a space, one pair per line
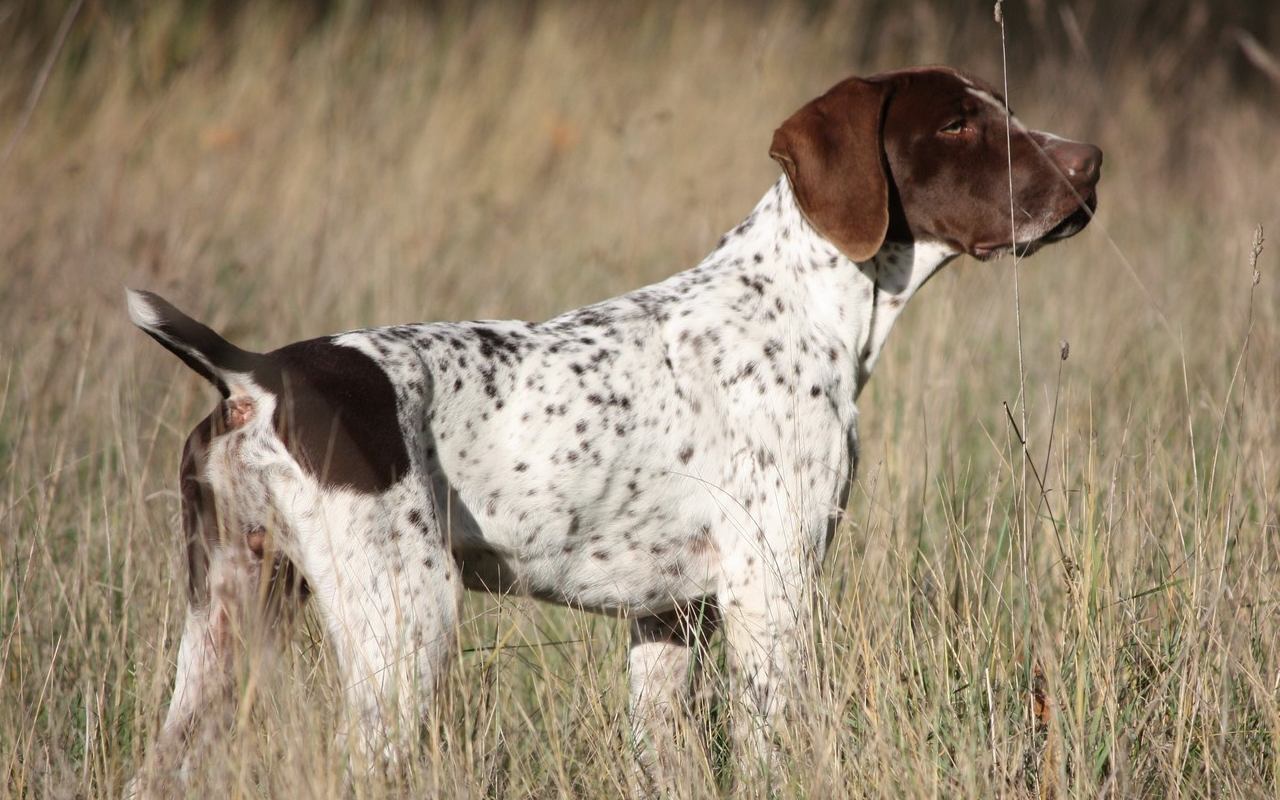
1074, 222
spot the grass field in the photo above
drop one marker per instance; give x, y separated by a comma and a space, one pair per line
1114, 633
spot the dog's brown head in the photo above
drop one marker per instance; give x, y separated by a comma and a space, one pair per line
926, 155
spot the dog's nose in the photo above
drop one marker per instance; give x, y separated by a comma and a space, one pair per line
1080, 161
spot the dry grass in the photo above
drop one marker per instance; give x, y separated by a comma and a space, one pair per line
1123, 642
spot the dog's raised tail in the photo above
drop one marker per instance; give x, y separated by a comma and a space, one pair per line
217, 360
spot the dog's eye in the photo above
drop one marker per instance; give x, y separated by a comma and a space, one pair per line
953, 127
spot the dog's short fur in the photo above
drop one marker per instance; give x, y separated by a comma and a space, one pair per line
678, 455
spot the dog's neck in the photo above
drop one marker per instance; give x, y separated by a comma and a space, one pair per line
857, 303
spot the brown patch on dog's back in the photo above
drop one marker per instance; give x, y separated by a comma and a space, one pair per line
336, 412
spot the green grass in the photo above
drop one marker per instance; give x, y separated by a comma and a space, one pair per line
283, 181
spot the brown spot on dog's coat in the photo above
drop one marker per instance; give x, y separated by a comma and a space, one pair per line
199, 514
256, 538
237, 412
703, 542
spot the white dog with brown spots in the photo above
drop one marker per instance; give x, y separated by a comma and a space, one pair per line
678, 456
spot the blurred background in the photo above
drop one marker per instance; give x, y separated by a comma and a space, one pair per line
287, 169
544, 153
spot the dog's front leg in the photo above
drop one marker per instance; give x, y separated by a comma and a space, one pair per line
665, 660
765, 597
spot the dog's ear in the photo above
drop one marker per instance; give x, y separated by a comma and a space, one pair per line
833, 154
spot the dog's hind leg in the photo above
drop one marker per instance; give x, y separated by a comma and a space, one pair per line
241, 598
389, 591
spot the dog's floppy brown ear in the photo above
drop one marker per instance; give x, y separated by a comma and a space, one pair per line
832, 152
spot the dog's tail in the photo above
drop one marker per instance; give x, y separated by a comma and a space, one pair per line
217, 360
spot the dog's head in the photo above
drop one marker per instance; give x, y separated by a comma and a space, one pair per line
929, 154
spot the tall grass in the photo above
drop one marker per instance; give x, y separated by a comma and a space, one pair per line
285, 173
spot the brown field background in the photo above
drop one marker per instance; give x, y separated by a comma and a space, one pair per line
286, 170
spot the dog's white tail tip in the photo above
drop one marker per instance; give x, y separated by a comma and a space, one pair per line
143, 314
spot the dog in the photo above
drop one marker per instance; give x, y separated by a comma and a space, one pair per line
679, 455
